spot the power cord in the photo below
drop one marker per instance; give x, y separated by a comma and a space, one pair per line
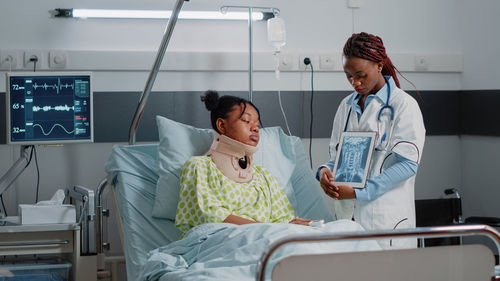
34, 60
33, 148
33, 152
3, 206
307, 61
37, 176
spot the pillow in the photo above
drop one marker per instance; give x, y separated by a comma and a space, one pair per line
178, 142
282, 155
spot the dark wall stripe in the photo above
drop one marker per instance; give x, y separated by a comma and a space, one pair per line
480, 112
445, 112
113, 113
3, 136
440, 110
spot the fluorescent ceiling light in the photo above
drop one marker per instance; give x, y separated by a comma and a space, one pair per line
155, 14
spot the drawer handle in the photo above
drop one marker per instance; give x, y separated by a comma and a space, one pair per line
34, 243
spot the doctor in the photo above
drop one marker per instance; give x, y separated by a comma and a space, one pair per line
379, 105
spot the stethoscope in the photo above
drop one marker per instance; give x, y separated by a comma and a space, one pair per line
384, 139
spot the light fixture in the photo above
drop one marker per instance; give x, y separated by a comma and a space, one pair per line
157, 14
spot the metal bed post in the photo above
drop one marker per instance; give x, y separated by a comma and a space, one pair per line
99, 209
250, 54
154, 71
136, 120
426, 232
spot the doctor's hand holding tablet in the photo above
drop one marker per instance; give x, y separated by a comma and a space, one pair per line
376, 144
334, 190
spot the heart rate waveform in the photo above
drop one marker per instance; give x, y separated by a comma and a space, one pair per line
56, 86
49, 108
51, 129
55, 108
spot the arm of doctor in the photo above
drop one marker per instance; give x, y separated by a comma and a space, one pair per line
325, 176
326, 179
400, 171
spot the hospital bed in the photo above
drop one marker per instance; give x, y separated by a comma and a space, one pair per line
135, 171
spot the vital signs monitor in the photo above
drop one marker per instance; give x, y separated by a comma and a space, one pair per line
49, 107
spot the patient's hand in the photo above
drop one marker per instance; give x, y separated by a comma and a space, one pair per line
237, 220
300, 221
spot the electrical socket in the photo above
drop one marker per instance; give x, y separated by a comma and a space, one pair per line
421, 63
314, 61
286, 62
8, 59
57, 59
32, 54
327, 62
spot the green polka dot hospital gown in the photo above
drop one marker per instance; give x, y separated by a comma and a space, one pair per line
206, 195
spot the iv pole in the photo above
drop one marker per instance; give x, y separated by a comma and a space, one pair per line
275, 11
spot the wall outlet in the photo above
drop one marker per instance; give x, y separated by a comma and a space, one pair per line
32, 54
57, 59
421, 63
314, 61
8, 59
287, 62
327, 62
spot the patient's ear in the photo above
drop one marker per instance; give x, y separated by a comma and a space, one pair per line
221, 126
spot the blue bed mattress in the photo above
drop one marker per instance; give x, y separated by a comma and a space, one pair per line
133, 172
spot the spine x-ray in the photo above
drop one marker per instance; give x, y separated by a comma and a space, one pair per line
353, 158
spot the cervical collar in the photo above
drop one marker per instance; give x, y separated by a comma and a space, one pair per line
226, 154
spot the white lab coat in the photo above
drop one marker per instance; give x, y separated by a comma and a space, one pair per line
394, 209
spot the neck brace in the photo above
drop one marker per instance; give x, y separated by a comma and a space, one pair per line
226, 152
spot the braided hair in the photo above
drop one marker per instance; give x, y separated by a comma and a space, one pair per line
220, 106
370, 47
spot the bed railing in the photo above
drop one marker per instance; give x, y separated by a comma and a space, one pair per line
423, 232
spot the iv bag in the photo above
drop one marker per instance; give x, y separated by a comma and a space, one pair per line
276, 33
276, 36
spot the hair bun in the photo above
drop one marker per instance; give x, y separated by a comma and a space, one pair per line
211, 99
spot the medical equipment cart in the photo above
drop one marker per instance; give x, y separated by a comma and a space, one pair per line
46, 240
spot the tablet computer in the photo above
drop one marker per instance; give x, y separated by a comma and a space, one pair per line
353, 159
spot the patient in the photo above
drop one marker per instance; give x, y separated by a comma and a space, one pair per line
224, 185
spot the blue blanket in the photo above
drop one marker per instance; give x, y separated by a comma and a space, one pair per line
221, 251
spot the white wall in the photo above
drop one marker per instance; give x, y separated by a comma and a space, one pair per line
481, 43
332, 25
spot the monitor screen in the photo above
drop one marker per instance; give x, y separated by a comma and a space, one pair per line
50, 107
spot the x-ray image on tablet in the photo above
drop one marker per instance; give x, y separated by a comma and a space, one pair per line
353, 158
